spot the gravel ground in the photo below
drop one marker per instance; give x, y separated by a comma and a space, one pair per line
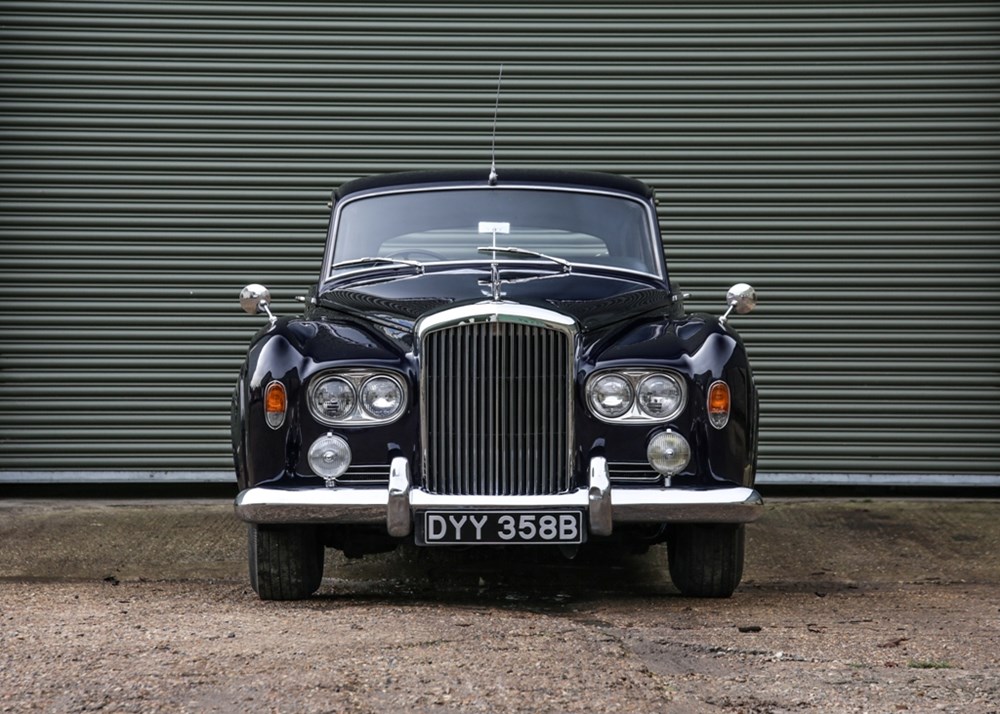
847, 606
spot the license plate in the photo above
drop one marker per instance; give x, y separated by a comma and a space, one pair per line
500, 527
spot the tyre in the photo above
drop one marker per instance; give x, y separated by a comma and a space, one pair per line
706, 560
286, 562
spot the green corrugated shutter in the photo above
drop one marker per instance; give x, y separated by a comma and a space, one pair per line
844, 158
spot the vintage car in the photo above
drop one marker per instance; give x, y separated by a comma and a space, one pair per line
494, 361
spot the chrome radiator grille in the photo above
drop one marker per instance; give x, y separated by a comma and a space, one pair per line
496, 408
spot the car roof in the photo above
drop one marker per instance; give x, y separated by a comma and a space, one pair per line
470, 177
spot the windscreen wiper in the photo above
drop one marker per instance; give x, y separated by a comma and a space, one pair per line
514, 250
377, 259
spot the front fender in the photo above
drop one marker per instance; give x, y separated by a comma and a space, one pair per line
702, 351
291, 351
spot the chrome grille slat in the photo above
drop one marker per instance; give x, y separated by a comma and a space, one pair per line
497, 406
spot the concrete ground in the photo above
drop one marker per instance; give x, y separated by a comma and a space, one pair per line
846, 605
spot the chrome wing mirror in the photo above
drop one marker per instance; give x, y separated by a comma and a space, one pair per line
255, 299
742, 298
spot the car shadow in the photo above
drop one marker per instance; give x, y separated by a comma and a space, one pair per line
522, 575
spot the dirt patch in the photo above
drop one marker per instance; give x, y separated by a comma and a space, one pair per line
846, 606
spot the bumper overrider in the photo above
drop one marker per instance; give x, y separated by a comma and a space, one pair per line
399, 505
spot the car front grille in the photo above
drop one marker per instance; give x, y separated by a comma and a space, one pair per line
496, 409
368, 474
632, 472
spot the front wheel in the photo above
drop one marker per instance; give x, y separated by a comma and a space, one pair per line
706, 560
286, 562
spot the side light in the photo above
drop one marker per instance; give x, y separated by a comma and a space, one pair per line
668, 453
718, 404
275, 404
329, 456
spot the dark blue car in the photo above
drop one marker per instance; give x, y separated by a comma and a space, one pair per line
495, 363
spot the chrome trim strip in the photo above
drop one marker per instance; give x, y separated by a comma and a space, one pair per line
420, 500
936, 480
489, 311
651, 217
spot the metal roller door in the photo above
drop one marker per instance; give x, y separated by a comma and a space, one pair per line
844, 158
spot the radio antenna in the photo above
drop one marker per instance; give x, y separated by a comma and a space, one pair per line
493, 145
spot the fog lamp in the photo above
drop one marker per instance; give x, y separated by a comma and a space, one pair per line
668, 453
329, 456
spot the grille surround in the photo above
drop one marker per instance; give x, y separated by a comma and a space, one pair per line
496, 401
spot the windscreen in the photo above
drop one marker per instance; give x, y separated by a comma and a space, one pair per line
452, 224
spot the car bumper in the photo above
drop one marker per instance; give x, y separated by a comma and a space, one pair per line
398, 505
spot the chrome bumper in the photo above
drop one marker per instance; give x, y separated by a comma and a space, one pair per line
397, 505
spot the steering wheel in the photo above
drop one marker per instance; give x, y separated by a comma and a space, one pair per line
415, 254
